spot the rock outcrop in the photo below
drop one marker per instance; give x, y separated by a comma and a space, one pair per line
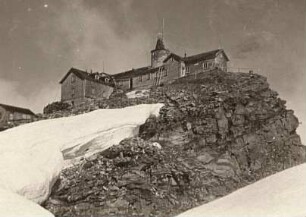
218, 132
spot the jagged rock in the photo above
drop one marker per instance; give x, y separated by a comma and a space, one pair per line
217, 133
205, 158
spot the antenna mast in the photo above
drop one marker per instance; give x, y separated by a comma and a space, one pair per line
163, 27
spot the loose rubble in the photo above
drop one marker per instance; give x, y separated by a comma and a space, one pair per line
216, 133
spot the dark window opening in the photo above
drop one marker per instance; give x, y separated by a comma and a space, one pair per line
187, 69
72, 92
205, 65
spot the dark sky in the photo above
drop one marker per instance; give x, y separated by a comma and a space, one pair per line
41, 39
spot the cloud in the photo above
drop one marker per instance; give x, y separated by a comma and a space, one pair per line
253, 42
9, 94
247, 46
77, 34
92, 38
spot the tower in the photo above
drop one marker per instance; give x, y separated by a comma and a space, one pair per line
159, 54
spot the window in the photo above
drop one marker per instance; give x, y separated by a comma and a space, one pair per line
24, 116
205, 65
165, 72
153, 75
11, 116
187, 69
72, 78
149, 76
140, 78
93, 91
182, 73
72, 92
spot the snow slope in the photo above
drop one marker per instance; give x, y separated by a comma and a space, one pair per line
31, 156
14, 205
279, 195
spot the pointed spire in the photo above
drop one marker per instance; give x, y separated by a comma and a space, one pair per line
160, 44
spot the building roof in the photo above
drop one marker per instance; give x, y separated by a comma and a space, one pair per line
85, 76
17, 109
204, 56
135, 72
174, 56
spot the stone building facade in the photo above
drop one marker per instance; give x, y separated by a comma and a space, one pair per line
78, 86
12, 116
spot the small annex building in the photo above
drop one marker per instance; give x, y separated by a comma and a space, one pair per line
12, 116
78, 86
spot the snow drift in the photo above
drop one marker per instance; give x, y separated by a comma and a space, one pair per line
32, 155
282, 194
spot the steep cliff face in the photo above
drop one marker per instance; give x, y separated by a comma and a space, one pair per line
218, 132
230, 114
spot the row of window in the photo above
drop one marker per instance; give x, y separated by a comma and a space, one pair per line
207, 65
19, 117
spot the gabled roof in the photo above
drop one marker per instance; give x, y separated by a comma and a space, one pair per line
84, 76
135, 72
17, 109
174, 56
79, 73
204, 56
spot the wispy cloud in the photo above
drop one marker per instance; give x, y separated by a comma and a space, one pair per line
92, 40
253, 42
9, 94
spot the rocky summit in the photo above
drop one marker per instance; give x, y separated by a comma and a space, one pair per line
217, 132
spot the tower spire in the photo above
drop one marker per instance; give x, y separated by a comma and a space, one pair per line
163, 27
